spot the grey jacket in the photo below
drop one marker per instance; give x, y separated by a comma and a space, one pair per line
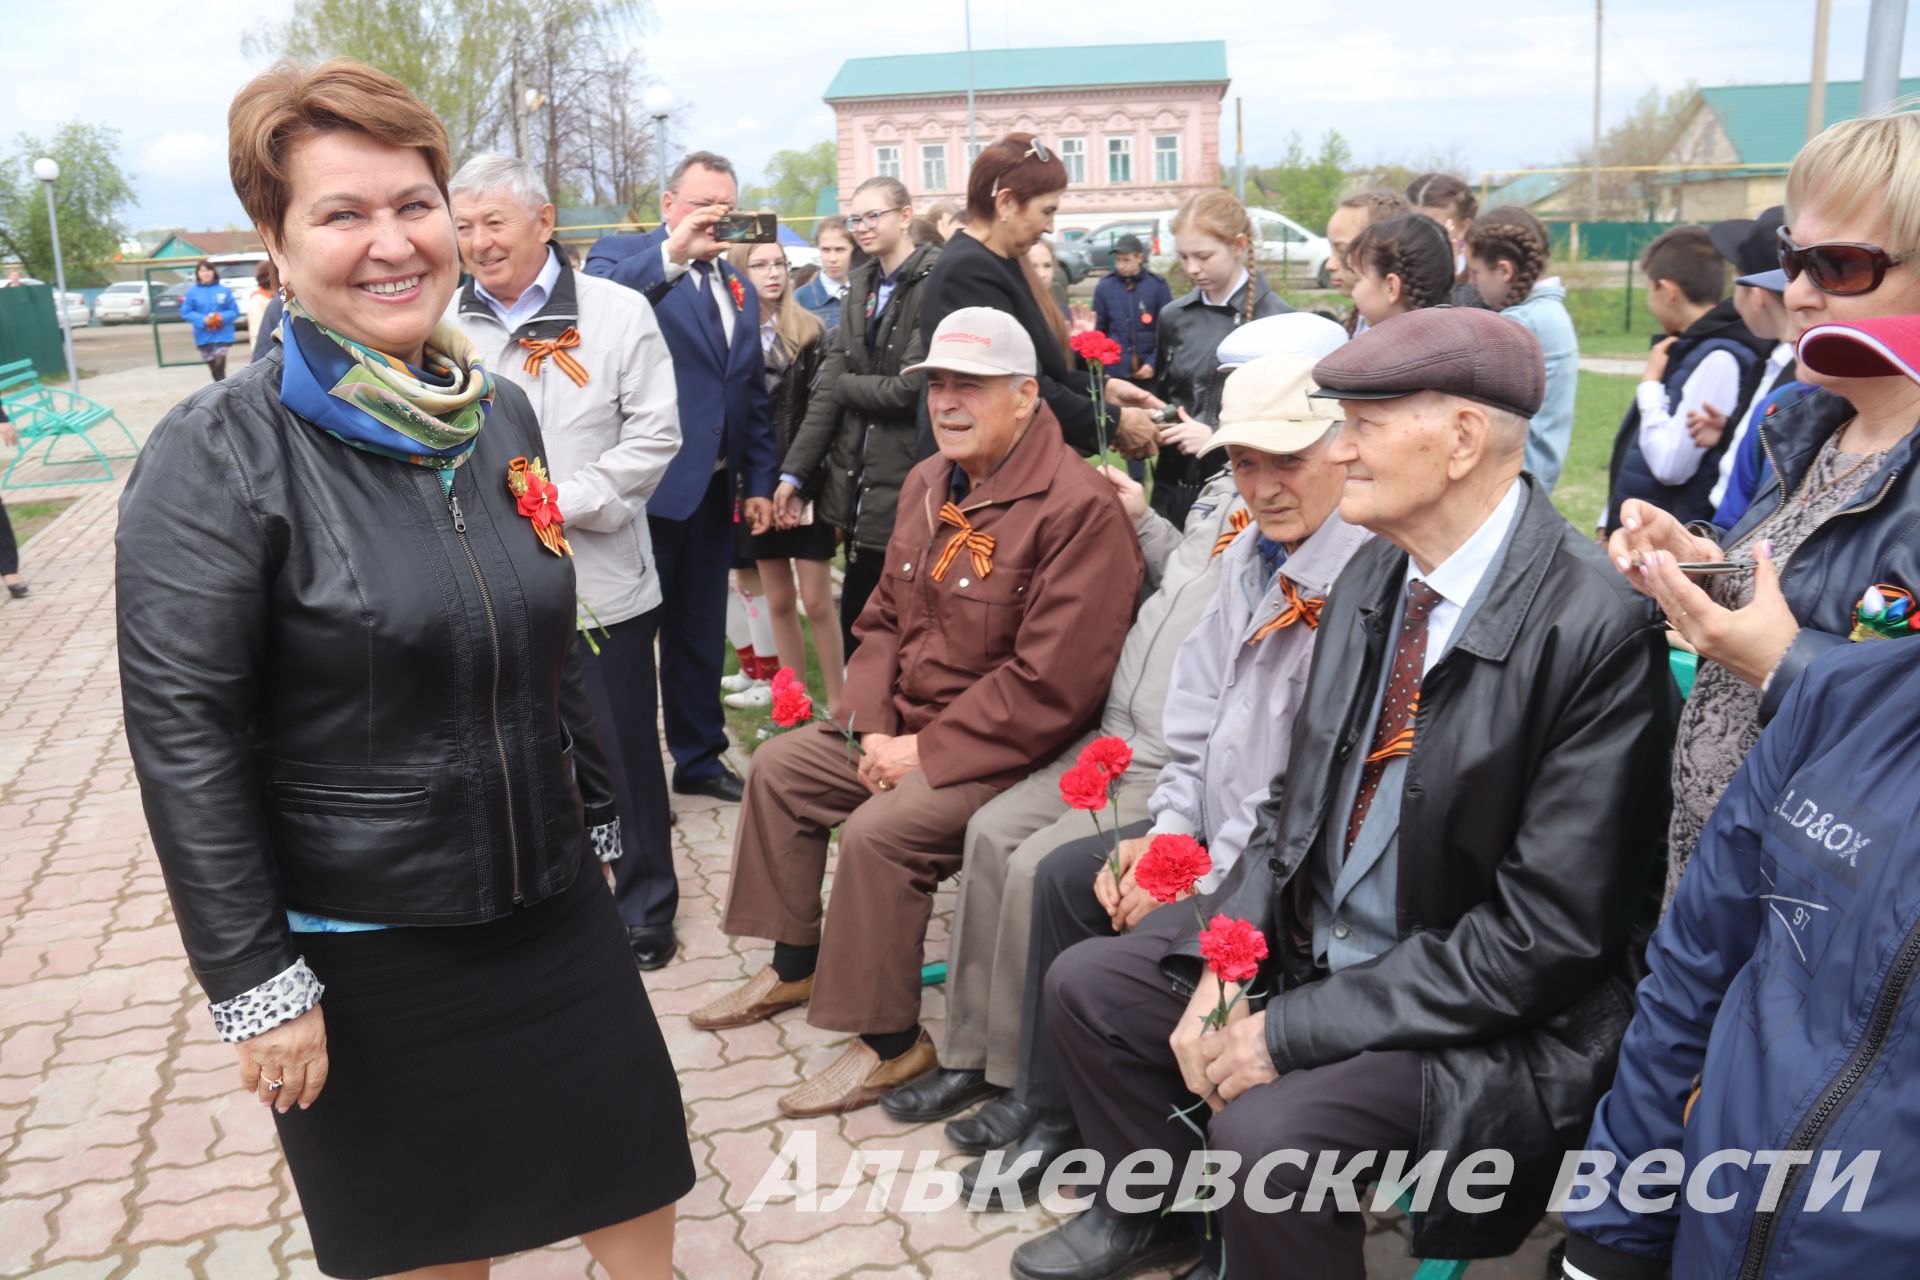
609, 440
1182, 570
1230, 708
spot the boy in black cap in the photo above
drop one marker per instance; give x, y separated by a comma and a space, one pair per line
1126, 307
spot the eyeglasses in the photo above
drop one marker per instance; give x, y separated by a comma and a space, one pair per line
861, 221
1841, 268
772, 264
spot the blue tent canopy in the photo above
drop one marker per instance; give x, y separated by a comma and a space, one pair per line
789, 236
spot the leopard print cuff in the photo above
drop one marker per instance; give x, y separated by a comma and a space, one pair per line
281, 998
604, 840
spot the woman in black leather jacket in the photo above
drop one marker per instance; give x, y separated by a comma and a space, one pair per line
794, 342
1214, 237
349, 661
1840, 515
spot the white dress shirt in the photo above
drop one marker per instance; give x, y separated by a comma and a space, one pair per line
721, 297
835, 288
1456, 577
531, 299
1776, 365
1671, 454
1226, 297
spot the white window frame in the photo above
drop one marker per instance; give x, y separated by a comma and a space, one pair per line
886, 160
1169, 174
1119, 157
1073, 154
932, 153
973, 153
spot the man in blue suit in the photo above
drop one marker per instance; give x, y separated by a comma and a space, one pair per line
711, 319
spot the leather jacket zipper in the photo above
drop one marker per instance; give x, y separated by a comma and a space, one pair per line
493, 689
1821, 1118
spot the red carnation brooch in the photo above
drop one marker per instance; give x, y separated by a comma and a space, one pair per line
539, 501
739, 294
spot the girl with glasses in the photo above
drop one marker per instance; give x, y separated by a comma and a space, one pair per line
1840, 515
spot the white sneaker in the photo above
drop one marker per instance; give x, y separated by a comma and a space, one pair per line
738, 682
758, 694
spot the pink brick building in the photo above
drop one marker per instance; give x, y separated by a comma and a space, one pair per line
1138, 126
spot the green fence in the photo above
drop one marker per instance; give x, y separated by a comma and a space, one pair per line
1603, 241
30, 330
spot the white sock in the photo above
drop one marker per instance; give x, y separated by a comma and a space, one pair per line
760, 623
739, 632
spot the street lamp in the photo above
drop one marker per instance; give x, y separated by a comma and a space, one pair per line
48, 171
659, 103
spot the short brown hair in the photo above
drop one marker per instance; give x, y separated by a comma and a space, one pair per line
1444, 191
835, 224
1686, 256
1008, 166
290, 103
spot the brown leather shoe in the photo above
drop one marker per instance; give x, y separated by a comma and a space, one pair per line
857, 1078
756, 1000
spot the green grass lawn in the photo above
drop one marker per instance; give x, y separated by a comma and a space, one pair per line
29, 518
1599, 404
752, 726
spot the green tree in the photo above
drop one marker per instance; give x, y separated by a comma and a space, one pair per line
91, 192
1306, 187
1646, 136
795, 180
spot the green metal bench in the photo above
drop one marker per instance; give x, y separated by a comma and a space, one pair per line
46, 418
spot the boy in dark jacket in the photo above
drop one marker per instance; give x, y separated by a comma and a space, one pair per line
1127, 305
1708, 360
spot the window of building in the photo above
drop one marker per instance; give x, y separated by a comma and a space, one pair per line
886, 162
1166, 158
1119, 161
933, 166
1073, 154
973, 152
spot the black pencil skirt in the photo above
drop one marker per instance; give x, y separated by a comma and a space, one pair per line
491, 1088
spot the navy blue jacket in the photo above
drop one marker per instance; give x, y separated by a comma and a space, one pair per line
1750, 467
723, 394
1779, 993
1131, 317
1630, 476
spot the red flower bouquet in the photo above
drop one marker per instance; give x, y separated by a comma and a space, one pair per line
1099, 351
1171, 867
792, 707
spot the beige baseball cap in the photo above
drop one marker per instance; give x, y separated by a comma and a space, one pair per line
980, 340
1267, 405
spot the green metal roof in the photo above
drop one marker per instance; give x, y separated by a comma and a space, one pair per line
1526, 190
919, 75
1767, 123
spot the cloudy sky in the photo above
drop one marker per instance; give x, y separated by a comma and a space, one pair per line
1505, 85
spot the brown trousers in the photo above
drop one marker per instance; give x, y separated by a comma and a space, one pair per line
895, 848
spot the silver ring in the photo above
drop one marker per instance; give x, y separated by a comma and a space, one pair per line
274, 1085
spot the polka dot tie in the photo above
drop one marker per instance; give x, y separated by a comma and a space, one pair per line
1393, 736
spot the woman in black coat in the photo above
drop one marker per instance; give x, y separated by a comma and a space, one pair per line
1012, 195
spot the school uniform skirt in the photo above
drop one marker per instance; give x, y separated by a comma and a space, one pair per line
491, 1088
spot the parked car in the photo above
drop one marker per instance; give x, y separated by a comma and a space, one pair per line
1097, 244
166, 307
74, 304
243, 285
1073, 260
125, 301
1284, 247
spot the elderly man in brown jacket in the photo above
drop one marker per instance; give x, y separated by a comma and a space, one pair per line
1010, 580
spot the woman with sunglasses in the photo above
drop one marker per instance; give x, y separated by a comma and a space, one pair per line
1013, 192
1840, 517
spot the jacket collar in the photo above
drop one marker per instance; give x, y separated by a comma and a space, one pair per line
1236, 304
1794, 434
560, 312
1028, 469
1315, 563
1495, 623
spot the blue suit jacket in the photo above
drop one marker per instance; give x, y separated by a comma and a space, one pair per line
723, 394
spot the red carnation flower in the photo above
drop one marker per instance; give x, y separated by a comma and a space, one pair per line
1233, 949
1109, 755
1171, 866
1084, 787
791, 705
1095, 345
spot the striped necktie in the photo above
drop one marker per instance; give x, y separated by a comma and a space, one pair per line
1393, 735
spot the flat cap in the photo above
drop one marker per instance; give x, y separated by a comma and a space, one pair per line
1457, 351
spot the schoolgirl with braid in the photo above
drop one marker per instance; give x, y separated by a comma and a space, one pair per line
1507, 261
1399, 265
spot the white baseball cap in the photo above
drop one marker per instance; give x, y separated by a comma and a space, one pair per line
980, 340
1294, 333
1267, 405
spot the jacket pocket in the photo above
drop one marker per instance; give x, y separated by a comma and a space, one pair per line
988, 609
379, 842
352, 801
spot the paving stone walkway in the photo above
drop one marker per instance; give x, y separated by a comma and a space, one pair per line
126, 1151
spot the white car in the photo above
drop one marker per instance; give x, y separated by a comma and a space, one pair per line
1283, 246
124, 302
74, 304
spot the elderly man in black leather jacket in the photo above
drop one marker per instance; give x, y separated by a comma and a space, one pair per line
1448, 876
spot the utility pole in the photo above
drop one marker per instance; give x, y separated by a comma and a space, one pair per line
1817, 84
1593, 166
1880, 80
971, 134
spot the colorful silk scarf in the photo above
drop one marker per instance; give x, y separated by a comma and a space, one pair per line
371, 401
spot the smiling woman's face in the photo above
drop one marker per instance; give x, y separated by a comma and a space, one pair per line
367, 244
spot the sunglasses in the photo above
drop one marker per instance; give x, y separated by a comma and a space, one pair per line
1036, 150
1840, 268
